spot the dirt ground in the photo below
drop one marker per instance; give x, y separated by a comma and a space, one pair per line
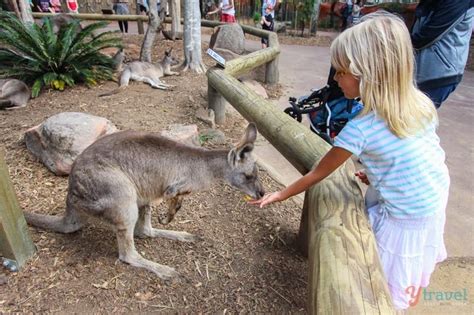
245, 262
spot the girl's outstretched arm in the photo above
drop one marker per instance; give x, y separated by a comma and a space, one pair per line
328, 164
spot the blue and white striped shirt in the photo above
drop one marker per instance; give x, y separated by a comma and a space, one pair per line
409, 174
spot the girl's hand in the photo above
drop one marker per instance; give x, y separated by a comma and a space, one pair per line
267, 199
363, 177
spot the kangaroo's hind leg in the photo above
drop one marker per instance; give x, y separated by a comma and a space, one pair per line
125, 221
144, 228
125, 77
158, 84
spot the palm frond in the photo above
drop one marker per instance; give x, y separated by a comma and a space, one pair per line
39, 56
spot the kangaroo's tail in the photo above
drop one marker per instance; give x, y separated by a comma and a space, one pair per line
116, 91
68, 223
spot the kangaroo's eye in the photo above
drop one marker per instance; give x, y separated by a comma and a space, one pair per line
249, 177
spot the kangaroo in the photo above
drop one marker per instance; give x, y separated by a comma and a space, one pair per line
60, 20
146, 72
13, 94
118, 59
120, 175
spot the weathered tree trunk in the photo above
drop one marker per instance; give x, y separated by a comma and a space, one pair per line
315, 17
25, 11
192, 37
162, 12
13, 5
176, 28
153, 25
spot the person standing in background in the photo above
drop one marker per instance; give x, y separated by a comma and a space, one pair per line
43, 6
55, 6
271, 4
226, 7
121, 8
143, 5
441, 35
355, 16
267, 24
72, 6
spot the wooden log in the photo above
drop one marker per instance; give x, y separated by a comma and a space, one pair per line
345, 275
345, 272
15, 242
302, 241
272, 75
238, 66
98, 17
217, 103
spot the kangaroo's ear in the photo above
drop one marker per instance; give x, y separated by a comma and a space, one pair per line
239, 154
245, 146
250, 135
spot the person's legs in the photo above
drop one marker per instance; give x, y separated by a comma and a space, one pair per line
125, 24
439, 95
120, 23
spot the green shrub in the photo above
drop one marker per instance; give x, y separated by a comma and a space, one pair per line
257, 17
38, 56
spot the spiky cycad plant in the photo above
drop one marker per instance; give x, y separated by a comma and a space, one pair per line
38, 56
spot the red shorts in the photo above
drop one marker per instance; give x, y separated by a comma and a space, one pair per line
227, 18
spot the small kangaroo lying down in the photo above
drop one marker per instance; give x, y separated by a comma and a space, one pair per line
146, 72
120, 175
13, 94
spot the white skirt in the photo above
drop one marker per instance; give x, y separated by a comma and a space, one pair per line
408, 249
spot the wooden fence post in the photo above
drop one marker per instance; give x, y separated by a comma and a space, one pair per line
217, 103
139, 23
272, 75
15, 242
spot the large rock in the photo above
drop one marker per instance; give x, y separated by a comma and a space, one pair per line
228, 36
187, 134
62, 137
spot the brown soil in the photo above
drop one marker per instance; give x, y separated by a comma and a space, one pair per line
244, 263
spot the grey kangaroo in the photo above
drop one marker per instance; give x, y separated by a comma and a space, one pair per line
119, 176
13, 94
146, 72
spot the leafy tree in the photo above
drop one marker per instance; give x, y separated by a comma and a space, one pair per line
153, 25
39, 56
305, 11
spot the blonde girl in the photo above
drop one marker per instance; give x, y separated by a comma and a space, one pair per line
394, 138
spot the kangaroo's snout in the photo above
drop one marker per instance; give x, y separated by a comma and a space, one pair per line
260, 193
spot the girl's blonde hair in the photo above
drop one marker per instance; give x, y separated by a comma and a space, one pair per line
379, 53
